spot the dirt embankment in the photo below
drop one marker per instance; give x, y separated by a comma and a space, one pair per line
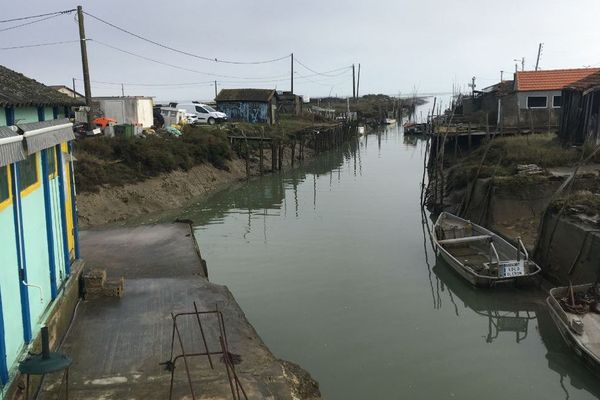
167, 191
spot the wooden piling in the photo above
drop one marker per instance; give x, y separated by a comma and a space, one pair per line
260, 155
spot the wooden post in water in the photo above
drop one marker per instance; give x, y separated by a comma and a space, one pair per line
293, 150
260, 155
280, 157
247, 157
469, 135
273, 156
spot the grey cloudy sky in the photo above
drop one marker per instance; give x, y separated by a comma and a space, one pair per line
426, 45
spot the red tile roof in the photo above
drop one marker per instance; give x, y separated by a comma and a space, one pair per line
555, 79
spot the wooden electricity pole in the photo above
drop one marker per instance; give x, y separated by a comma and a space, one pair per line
84, 62
537, 62
358, 81
74, 92
215, 89
292, 73
353, 83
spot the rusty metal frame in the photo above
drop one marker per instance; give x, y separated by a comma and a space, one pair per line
235, 384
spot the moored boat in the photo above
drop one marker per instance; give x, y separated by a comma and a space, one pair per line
576, 314
413, 128
482, 257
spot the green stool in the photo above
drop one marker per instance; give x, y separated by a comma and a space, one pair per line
45, 363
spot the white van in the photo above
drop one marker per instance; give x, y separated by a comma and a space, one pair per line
206, 114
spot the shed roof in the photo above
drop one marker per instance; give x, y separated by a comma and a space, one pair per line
555, 79
500, 88
589, 82
58, 87
18, 90
262, 95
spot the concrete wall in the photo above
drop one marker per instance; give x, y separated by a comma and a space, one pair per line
26, 114
569, 251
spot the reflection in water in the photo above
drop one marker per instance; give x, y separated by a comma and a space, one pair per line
330, 266
510, 311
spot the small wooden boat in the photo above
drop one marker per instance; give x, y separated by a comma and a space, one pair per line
413, 128
575, 312
482, 257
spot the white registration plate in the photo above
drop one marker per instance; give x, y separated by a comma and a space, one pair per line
509, 269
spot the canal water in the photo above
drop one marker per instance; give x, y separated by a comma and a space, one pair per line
333, 266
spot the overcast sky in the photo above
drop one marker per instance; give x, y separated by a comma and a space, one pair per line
402, 46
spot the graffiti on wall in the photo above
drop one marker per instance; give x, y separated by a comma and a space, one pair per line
253, 112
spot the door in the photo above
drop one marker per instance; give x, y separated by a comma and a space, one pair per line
64, 148
202, 114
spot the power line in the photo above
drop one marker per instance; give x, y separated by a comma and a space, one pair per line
39, 45
165, 63
244, 79
37, 16
185, 52
312, 70
31, 22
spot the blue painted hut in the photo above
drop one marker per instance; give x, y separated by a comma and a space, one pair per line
248, 105
38, 228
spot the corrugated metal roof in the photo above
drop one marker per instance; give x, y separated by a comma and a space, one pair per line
556, 79
45, 134
11, 146
18, 90
262, 95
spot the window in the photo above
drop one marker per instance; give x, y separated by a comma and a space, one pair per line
557, 101
28, 173
52, 162
201, 110
4, 187
210, 109
537, 102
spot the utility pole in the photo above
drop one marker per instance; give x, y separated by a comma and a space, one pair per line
358, 81
353, 83
74, 92
501, 76
215, 89
84, 62
537, 62
472, 87
522, 63
122, 90
292, 73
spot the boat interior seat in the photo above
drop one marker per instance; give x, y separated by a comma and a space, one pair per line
465, 240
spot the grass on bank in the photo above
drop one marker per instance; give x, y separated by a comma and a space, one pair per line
581, 202
106, 161
116, 161
506, 153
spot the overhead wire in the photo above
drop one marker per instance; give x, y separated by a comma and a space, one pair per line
26, 46
241, 79
37, 16
187, 53
312, 70
169, 64
32, 22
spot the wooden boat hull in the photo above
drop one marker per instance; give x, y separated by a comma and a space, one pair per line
480, 280
591, 360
